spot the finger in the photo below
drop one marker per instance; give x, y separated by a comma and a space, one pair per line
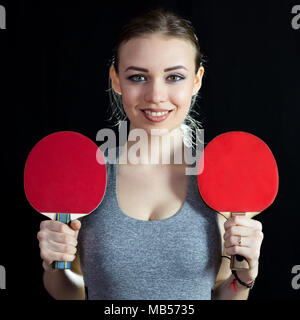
56, 226
237, 231
61, 238
75, 225
46, 237
241, 220
235, 241
63, 248
252, 255
253, 241
49, 256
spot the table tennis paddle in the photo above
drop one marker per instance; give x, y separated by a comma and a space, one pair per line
65, 178
238, 175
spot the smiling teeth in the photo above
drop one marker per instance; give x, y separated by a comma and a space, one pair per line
156, 114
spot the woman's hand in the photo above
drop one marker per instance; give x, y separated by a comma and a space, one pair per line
248, 232
57, 241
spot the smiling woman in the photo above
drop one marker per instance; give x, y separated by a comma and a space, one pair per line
168, 27
153, 237
166, 80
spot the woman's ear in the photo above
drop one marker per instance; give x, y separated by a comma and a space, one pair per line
198, 80
114, 80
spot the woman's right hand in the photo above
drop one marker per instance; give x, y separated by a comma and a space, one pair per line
57, 241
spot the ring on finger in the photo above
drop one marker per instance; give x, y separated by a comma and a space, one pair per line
240, 241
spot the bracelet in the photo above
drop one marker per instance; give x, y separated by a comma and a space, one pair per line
247, 285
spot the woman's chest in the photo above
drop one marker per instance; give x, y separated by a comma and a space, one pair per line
151, 195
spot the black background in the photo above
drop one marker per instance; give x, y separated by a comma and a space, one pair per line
54, 76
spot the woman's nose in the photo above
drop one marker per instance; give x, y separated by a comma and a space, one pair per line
156, 92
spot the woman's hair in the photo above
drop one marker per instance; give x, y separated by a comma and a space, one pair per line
163, 22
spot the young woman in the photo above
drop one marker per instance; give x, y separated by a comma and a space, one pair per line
152, 237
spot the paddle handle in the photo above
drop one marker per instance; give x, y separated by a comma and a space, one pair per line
238, 262
65, 218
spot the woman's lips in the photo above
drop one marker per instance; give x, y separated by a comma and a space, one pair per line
156, 118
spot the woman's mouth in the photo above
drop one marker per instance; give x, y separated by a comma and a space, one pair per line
156, 116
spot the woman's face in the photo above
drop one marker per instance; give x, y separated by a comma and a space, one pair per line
146, 81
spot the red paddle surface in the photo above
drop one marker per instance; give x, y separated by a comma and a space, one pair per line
62, 174
240, 173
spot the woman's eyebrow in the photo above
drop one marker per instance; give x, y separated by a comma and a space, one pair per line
146, 70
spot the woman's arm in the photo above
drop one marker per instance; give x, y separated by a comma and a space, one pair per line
223, 290
252, 236
65, 284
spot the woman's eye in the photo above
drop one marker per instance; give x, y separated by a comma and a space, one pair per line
136, 77
175, 77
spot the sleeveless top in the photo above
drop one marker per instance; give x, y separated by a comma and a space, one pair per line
123, 258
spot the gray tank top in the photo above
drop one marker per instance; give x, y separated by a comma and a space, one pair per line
123, 258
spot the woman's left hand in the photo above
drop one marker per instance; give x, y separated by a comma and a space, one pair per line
248, 232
